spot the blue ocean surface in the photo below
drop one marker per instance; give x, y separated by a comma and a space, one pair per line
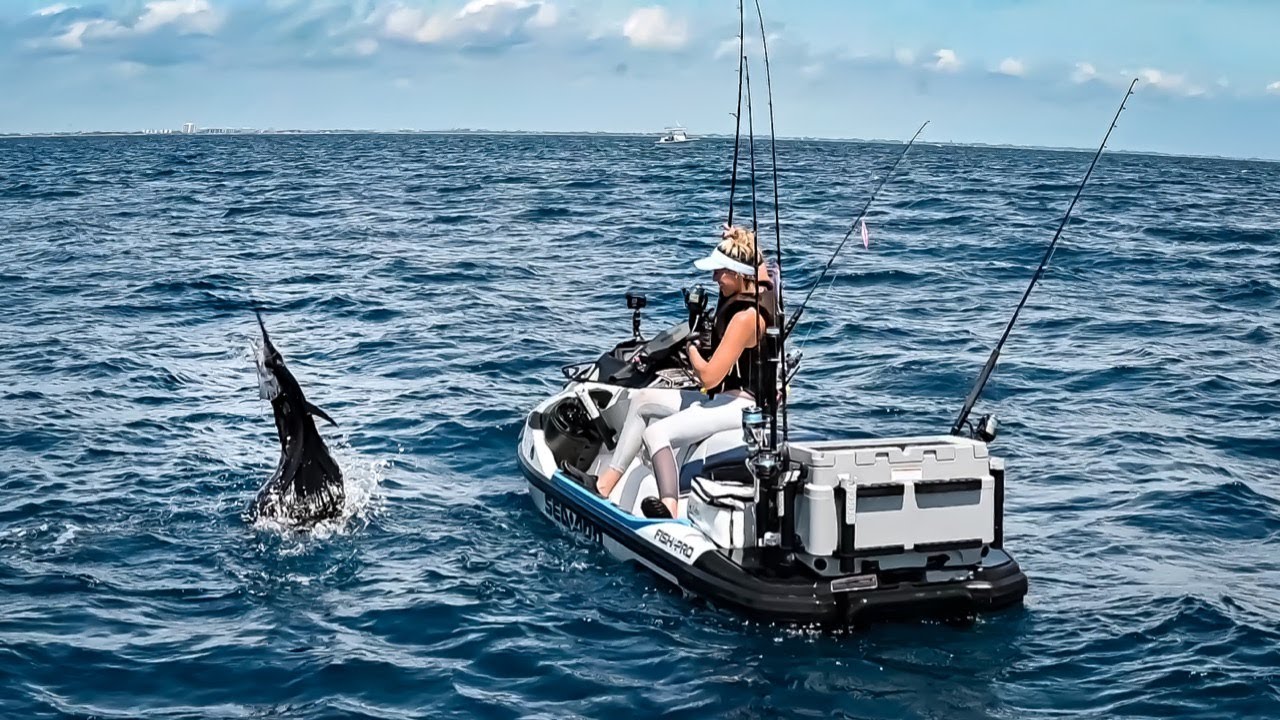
426, 289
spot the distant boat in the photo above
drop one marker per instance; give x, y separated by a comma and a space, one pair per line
674, 135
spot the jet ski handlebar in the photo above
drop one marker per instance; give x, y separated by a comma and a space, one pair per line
635, 359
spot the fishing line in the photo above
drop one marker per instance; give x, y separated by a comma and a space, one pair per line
791, 324
737, 116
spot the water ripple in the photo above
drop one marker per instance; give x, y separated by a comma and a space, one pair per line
425, 290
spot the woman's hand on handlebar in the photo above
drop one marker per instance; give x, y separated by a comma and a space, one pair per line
694, 359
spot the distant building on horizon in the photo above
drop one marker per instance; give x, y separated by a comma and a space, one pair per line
188, 128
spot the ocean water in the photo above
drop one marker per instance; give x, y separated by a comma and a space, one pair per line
425, 290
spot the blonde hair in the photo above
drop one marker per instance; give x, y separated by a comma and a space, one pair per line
739, 244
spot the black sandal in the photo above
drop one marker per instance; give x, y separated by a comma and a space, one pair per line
655, 509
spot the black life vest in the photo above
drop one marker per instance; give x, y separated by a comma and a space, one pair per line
742, 374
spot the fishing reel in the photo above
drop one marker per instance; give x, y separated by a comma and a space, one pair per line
775, 491
695, 301
985, 429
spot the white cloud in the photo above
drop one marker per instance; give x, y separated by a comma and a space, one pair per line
1012, 66
55, 9
1154, 77
946, 61
1084, 72
652, 29
812, 70
403, 83
413, 24
191, 16
1168, 82
904, 56
88, 30
726, 48
1274, 88
1160, 80
186, 16
547, 16
729, 47
488, 15
478, 20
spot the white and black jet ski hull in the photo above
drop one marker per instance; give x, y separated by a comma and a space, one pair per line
681, 554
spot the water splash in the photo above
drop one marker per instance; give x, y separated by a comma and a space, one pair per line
361, 477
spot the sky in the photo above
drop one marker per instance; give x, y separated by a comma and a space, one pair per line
1023, 72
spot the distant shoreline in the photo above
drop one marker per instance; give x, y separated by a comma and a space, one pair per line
587, 133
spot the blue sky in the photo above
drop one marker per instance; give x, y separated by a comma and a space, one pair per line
1000, 71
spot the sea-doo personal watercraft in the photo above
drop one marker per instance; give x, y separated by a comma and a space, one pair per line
830, 532
825, 532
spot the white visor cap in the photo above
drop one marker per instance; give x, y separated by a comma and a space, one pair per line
719, 261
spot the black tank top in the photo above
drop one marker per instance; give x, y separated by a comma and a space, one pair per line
742, 374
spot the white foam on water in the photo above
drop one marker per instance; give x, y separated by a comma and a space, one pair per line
362, 479
67, 536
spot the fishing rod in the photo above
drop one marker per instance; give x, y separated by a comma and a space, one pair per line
777, 222
751, 155
765, 461
791, 324
987, 427
737, 116
755, 227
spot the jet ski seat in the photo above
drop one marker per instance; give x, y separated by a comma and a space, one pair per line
721, 457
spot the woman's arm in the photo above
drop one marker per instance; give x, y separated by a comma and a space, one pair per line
740, 334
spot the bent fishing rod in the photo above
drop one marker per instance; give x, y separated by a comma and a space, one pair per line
987, 369
867, 206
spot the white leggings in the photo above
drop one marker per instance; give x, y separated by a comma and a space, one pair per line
681, 417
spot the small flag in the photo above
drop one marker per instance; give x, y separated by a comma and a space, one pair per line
866, 239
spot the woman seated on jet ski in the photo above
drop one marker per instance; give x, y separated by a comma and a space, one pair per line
683, 417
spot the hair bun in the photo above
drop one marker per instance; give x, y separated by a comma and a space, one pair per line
739, 243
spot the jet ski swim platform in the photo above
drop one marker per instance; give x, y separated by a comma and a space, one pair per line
895, 527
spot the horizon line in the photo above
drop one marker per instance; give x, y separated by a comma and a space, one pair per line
230, 131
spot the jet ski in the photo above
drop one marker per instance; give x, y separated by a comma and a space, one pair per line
832, 532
